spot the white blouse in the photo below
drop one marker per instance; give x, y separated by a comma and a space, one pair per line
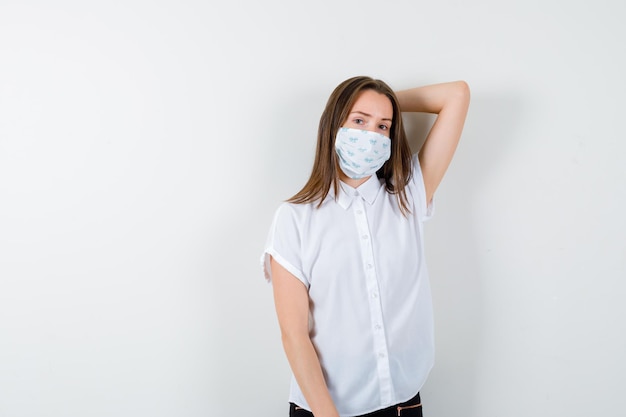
363, 263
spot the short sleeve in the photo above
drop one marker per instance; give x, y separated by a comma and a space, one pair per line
284, 243
424, 209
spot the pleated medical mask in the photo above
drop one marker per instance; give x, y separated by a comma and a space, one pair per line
361, 152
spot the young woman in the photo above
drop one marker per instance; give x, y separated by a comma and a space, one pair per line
345, 255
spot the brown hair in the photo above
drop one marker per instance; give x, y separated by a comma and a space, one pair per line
396, 171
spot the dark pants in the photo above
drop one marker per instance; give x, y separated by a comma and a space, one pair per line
411, 408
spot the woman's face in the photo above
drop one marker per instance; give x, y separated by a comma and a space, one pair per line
371, 111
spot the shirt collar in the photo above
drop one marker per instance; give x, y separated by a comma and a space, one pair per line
368, 191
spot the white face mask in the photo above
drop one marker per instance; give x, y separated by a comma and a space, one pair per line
361, 152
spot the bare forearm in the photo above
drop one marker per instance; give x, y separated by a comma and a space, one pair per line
434, 98
308, 372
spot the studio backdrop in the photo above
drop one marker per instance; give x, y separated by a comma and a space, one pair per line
144, 146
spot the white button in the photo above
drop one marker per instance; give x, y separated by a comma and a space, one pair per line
364, 237
374, 295
378, 327
368, 266
381, 355
359, 212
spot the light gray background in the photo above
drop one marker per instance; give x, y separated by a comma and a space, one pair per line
144, 146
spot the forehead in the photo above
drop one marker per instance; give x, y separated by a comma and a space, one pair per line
373, 103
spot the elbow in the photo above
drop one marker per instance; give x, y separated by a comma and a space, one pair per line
463, 89
291, 338
295, 343
460, 94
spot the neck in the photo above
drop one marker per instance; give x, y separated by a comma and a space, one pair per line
354, 183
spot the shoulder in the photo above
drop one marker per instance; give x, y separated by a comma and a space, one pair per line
290, 215
287, 209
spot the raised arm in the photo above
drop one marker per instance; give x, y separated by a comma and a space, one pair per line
292, 307
450, 102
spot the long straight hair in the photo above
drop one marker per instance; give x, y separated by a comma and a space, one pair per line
396, 171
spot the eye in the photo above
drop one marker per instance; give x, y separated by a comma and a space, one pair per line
358, 121
383, 127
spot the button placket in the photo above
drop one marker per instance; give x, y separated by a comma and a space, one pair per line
375, 308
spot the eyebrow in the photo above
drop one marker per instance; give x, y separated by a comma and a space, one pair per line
369, 115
